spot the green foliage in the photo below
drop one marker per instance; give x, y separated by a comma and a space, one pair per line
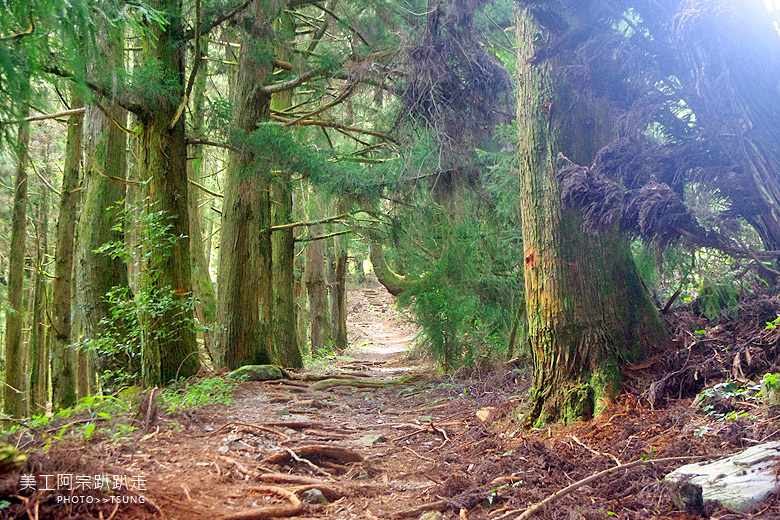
463, 252
189, 395
717, 299
121, 332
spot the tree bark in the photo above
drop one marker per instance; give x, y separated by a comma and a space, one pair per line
202, 286
13, 389
318, 292
392, 281
39, 356
63, 373
243, 330
337, 286
287, 351
586, 308
103, 200
168, 347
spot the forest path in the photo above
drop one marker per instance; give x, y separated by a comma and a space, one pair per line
376, 445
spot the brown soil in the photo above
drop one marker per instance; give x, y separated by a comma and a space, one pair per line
393, 451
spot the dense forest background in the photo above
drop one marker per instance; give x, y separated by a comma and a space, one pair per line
191, 184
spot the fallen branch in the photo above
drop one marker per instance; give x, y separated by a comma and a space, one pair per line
531, 511
293, 509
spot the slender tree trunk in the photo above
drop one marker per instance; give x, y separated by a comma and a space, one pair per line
202, 286
63, 373
39, 356
168, 347
318, 292
586, 307
287, 351
13, 389
243, 334
338, 287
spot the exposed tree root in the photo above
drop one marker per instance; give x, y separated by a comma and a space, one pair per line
292, 509
284, 478
330, 493
253, 427
332, 453
356, 383
439, 505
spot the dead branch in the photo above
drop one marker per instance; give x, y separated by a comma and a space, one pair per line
333, 124
291, 84
531, 511
64, 113
326, 220
294, 508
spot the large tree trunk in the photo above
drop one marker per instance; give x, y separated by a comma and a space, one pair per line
103, 200
63, 373
243, 330
202, 286
39, 356
318, 292
168, 347
586, 308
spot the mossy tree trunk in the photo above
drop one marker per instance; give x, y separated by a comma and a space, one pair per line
586, 307
317, 289
203, 287
63, 373
39, 356
243, 321
13, 388
168, 347
286, 348
337, 285
103, 195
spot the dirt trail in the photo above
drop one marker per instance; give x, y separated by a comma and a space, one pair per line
389, 429
395, 439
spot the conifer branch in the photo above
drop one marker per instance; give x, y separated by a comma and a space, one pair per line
323, 237
335, 125
215, 144
291, 84
124, 100
292, 225
20, 35
344, 95
208, 26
